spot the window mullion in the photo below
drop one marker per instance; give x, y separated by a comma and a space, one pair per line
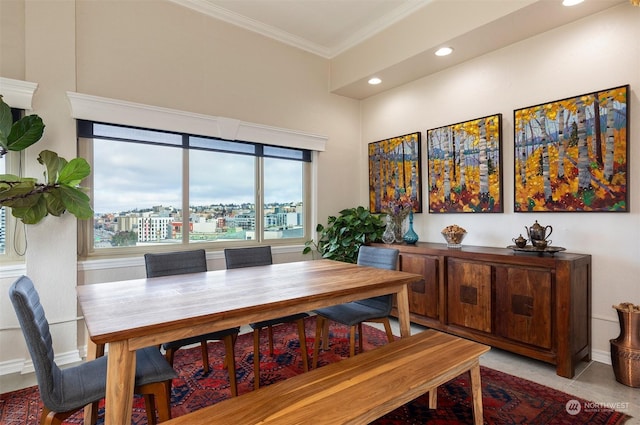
185, 191
259, 213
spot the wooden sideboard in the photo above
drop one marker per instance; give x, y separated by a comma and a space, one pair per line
527, 303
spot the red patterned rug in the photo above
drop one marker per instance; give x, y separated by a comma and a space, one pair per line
507, 399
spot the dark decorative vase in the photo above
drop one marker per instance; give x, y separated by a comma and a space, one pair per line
625, 350
410, 237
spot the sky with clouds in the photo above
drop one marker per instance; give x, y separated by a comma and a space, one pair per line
130, 175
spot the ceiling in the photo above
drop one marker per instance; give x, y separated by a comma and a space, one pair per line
330, 28
323, 27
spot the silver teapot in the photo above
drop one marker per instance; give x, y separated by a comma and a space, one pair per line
538, 232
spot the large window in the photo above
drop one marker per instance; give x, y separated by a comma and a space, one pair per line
153, 188
6, 247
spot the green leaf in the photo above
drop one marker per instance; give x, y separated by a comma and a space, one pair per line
25, 132
14, 195
53, 163
55, 204
31, 215
76, 202
74, 171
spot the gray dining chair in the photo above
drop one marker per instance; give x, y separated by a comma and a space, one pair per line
194, 261
261, 256
65, 391
353, 314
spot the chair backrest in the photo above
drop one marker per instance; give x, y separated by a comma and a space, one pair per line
248, 257
35, 328
173, 263
382, 258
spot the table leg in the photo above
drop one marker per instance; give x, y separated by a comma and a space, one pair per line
121, 369
402, 299
476, 391
91, 410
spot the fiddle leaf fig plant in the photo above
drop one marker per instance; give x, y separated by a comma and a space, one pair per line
30, 200
342, 237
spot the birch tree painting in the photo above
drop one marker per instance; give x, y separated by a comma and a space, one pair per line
571, 154
394, 173
465, 164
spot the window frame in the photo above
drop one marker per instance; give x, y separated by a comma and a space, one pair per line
190, 143
18, 94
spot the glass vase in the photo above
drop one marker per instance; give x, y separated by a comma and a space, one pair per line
410, 237
389, 235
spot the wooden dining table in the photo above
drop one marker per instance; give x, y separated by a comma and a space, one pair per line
132, 314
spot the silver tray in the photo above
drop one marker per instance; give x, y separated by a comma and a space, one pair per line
531, 248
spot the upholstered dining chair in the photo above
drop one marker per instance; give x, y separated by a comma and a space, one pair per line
352, 314
194, 261
65, 391
261, 256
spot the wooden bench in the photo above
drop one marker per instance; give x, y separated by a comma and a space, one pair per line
356, 390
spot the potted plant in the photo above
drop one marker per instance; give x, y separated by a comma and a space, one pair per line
342, 237
29, 200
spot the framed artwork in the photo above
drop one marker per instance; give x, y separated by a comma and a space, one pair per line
394, 174
571, 155
465, 166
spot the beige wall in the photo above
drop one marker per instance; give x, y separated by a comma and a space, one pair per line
156, 53
160, 54
595, 53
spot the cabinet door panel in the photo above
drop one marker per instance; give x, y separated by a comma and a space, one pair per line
469, 295
523, 305
423, 295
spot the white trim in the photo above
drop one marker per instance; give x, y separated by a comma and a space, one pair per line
601, 356
137, 261
25, 366
112, 111
12, 270
17, 93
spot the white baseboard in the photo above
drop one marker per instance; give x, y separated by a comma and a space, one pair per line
601, 356
25, 366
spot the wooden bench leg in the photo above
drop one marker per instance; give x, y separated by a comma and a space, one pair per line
476, 391
433, 398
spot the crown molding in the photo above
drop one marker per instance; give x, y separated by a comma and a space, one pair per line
327, 52
17, 93
113, 111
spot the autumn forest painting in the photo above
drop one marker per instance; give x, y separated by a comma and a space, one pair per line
465, 166
394, 174
571, 154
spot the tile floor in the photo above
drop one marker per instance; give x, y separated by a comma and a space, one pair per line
594, 381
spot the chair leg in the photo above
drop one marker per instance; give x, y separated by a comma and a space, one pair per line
360, 346
270, 330
230, 359
169, 355
317, 341
49, 417
303, 344
387, 327
256, 358
157, 396
325, 333
205, 357
150, 407
352, 341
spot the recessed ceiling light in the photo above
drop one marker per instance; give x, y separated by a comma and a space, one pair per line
375, 80
571, 2
444, 51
